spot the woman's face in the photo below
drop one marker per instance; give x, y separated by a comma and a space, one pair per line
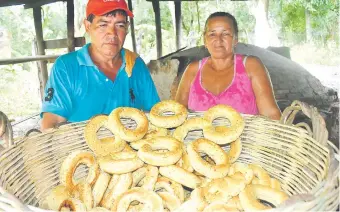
219, 37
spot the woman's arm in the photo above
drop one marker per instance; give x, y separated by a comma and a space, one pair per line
263, 89
182, 94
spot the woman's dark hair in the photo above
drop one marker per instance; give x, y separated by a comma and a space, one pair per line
223, 14
112, 13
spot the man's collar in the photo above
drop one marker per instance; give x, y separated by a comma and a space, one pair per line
84, 58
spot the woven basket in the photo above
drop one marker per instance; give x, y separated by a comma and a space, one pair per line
304, 161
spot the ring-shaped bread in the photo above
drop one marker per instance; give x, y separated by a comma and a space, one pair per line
100, 187
148, 152
165, 184
145, 177
83, 192
243, 168
219, 206
72, 204
232, 132
196, 123
104, 146
170, 201
117, 127
261, 174
158, 119
70, 164
180, 175
250, 195
154, 131
56, 196
215, 152
119, 184
151, 201
120, 162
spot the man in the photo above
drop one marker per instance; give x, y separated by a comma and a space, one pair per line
100, 76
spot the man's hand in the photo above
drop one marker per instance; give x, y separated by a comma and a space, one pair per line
50, 120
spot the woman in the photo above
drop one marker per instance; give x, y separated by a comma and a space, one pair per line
227, 78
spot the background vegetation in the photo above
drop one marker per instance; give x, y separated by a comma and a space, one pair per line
309, 27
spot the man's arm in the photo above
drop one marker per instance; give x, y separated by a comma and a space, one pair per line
57, 102
262, 87
50, 120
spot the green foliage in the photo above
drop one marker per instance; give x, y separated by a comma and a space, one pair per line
323, 19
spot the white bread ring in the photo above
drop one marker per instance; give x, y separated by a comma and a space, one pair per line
56, 196
158, 119
127, 148
196, 123
235, 150
170, 186
222, 189
214, 151
148, 155
120, 163
197, 195
100, 187
180, 175
145, 177
231, 133
118, 185
170, 201
83, 192
154, 131
249, 196
105, 146
151, 201
72, 204
184, 162
234, 202
245, 169
275, 183
219, 206
259, 172
116, 126
70, 165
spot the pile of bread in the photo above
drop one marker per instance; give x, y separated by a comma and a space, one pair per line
149, 168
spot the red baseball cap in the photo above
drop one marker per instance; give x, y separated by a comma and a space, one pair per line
101, 7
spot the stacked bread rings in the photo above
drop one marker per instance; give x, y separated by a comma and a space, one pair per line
148, 168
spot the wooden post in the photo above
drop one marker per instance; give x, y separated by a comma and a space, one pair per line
132, 26
42, 69
178, 17
70, 26
155, 5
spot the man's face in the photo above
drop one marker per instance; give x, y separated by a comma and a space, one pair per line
107, 33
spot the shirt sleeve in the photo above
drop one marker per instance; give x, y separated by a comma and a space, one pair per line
147, 91
57, 94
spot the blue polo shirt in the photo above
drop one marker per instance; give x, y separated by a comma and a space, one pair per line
78, 90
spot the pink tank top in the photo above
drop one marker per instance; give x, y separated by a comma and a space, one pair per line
239, 94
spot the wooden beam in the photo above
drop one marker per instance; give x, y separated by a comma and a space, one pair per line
42, 67
178, 17
49, 58
39, 3
70, 26
132, 26
155, 5
62, 43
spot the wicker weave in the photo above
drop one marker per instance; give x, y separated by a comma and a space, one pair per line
301, 158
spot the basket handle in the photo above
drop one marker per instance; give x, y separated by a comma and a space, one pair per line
6, 132
319, 131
